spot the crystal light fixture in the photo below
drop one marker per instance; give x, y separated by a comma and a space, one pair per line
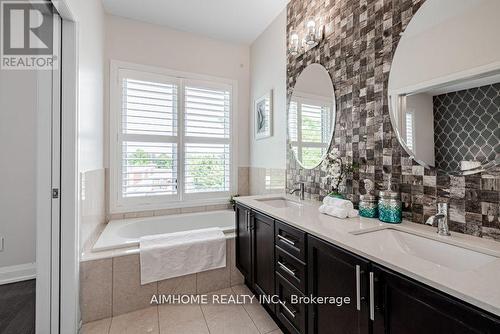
312, 35
294, 43
310, 32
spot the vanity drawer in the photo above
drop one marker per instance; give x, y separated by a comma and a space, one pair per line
292, 316
290, 268
290, 239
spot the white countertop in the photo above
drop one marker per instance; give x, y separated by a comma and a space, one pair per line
479, 287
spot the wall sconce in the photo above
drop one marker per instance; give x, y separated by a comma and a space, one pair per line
312, 36
294, 43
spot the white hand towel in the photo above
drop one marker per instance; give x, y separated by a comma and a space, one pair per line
334, 211
353, 213
181, 253
338, 202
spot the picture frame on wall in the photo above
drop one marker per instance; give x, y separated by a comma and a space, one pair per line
263, 116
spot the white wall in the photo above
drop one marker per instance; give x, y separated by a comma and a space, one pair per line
268, 71
18, 106
90, 17
446, 37
155, 45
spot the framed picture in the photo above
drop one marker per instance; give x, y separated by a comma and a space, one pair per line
263, 116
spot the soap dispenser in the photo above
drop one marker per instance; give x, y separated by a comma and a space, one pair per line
389, 206
368, 206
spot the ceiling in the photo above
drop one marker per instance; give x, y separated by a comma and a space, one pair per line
236, 21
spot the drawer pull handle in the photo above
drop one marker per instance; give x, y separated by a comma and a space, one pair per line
291, 312
372, 297
286, 240
285, 268
358, 288
248, 220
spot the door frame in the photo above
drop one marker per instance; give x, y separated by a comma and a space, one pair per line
57, 292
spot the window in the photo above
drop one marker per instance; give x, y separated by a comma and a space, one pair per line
310, 128
409, 130
171, 139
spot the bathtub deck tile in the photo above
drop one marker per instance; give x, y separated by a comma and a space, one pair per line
96, 289
178, 285
128, 293
194, 209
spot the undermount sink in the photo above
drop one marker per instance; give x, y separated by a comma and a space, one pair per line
280, 202
437, 252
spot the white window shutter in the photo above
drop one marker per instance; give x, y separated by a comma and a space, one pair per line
207, 123
149, 144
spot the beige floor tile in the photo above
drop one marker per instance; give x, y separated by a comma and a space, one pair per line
260, 318
225, 319
128, 293
256, 311
96, 327
178, 285
277, 331
182, 319
137, 322
96, 289
244, 290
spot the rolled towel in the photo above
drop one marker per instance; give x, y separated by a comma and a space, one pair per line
334, 211
338, 202
353, 213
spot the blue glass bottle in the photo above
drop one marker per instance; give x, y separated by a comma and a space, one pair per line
389, 207
368, 206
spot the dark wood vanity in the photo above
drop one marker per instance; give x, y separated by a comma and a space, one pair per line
279, 259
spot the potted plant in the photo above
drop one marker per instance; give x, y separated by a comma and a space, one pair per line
233, 202
336, 170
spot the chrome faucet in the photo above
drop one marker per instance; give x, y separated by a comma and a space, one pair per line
301, 190
442, 219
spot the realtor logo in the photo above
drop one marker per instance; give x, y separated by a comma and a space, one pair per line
27, 35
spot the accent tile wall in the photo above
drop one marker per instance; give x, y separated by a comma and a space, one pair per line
466, 126
361, 37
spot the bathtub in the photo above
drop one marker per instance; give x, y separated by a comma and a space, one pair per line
126, 232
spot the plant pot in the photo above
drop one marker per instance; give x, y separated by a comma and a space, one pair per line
336, 195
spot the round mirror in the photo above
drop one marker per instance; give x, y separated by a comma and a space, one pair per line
311, 116
444, 86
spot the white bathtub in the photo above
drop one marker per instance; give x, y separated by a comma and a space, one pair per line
126, 232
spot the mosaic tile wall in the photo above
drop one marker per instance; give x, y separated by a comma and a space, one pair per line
361, 37
466, 126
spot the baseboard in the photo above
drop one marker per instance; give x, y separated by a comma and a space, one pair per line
17, 273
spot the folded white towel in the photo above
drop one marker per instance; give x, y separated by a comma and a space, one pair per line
338, 212
338, 202
181, 253
334, 211
353, 213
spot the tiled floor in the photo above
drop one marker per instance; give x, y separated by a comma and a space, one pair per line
249, 318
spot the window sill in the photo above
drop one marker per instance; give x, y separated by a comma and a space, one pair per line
170, 205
